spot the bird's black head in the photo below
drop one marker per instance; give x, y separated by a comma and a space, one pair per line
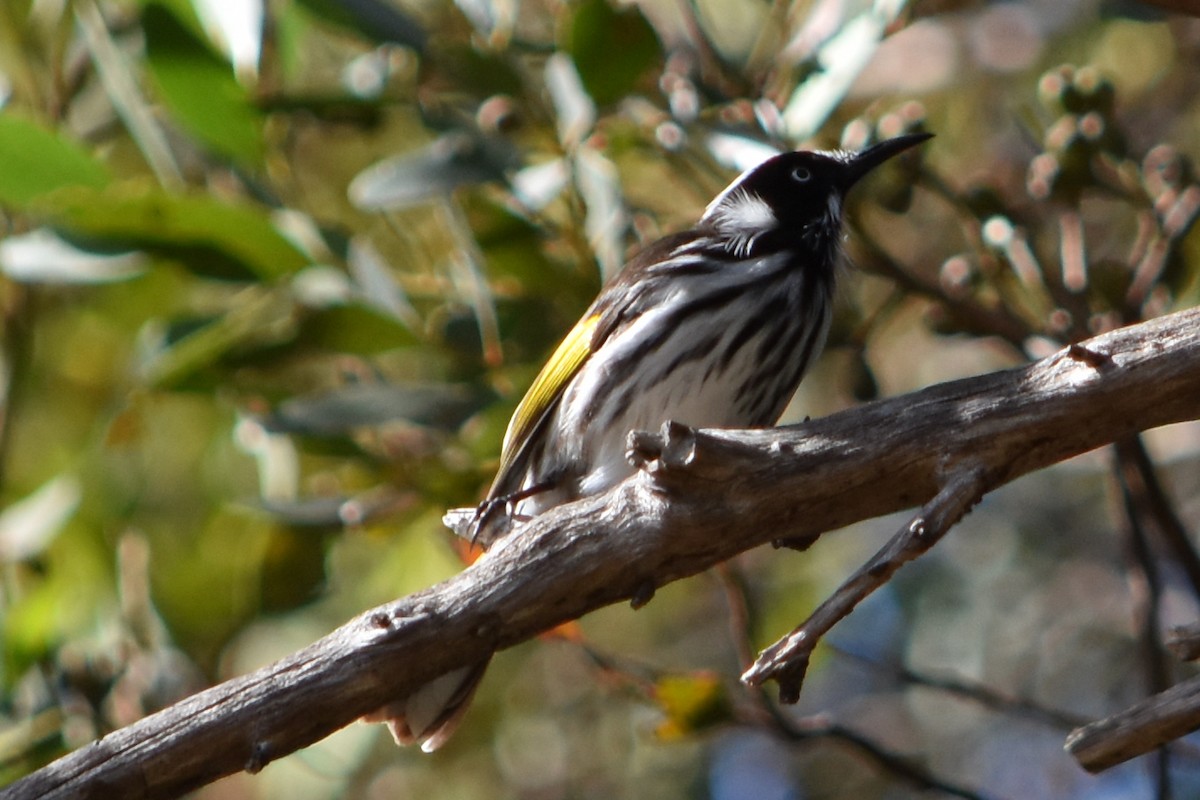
794, 199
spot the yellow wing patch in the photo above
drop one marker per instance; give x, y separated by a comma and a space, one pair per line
547, 387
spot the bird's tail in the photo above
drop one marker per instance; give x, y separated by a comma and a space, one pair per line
430, 715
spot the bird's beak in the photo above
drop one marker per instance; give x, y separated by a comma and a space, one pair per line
863, 162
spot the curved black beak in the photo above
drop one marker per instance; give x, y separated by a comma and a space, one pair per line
864, 161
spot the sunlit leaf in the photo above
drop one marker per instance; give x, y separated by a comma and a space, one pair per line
274, 454
739, 152
41, 257
691, 703
209, 588
36, 160
30, 524
599, 184
611, 49
493, 19
322, 286
210, 237
238, 27
841, 59
538, 185
199, 88
574, 108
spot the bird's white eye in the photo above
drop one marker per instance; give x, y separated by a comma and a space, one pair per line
801, 174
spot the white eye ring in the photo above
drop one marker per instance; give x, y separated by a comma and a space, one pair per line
801, 174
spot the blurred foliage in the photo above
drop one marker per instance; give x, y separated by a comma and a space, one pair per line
274, 275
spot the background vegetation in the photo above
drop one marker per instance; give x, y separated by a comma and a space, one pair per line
271, 284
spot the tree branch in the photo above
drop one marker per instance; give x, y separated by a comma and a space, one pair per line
786, 661
1138, 729
698, 498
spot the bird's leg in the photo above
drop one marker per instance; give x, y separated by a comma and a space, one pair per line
507, 503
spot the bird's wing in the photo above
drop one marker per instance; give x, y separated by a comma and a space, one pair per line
608, 314
539, 402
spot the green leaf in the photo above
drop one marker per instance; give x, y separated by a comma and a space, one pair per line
199, 88
352, 329
514, 247
258, 320
293, 570
469, 69
209, 237
611, 49
373, 19
37, 160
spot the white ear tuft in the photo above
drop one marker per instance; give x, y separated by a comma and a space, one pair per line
742, 212
740, 216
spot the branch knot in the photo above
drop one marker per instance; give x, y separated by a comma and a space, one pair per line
672, 448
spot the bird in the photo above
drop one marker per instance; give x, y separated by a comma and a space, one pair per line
711, 327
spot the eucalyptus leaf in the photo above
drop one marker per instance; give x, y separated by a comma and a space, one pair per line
352, 328
600, 185
311, 512
209, 237
739, 152
841, 59
257, 320
537, 186
377, 21
41, 257
612, 49
29, 525
574, 108
36, 160
482, 73
199, 88
454, 160
489, 17
377, 285
238, 26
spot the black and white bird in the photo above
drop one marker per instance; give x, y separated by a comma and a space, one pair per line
713, 327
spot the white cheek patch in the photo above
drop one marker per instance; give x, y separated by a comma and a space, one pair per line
745, 212
742, 217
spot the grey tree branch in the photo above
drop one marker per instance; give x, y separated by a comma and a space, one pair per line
1138, 729
698, 498
786, 661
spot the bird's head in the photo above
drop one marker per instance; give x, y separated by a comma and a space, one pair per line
794, 198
